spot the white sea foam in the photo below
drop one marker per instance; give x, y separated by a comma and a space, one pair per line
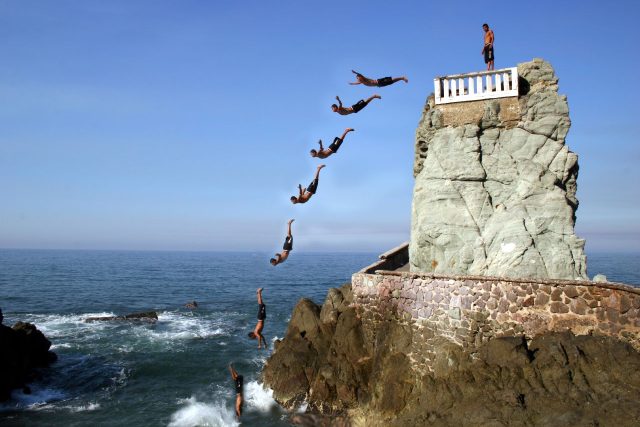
59, 346
195, 413
91, 406
176, 326
303, 407
258, 397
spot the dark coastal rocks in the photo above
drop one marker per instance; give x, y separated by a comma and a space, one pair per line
23, 348
382, 369
148, 316
316, 420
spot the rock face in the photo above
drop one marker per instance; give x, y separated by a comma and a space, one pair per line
556, 379
495, 189
22, 348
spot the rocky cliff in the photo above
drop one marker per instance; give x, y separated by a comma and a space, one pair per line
495, 185
342, 358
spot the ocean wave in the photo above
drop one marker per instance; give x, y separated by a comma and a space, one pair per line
69, 331
38, 399
195, 413
173, 326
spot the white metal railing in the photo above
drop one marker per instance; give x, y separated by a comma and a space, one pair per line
472, 86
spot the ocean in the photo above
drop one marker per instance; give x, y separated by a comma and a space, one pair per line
173, 372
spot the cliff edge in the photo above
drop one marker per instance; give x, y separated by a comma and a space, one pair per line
495, 185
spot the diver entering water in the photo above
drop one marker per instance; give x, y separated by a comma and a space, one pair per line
238, 382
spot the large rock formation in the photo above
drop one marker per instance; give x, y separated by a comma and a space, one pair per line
22, 349
556, 379
495, 189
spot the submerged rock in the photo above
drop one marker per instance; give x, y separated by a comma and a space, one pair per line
22, 349
556, 379
150, 316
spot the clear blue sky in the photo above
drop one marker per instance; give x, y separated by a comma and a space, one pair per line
187, 125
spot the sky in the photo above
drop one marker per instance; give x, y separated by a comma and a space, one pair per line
149, 125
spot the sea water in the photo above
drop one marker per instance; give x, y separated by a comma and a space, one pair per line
172, 372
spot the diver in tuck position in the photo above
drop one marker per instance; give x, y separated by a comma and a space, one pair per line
333, 148
384, 81
288, 247
344, 111
262, 314
306, 193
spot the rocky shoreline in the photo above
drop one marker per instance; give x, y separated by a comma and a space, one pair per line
23, 349
556, 378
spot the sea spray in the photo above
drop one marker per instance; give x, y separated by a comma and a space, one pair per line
258, 397
195, 413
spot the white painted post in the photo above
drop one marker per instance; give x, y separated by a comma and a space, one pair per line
479, 85
436, 90
453, 88
489, 83
505, 78
461, 86
472, 90
446, 88
514, 79
498, 83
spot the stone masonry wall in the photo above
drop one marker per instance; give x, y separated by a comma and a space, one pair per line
468, 311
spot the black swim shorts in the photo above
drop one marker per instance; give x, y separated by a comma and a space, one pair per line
262, 312
358, 106
385, 81
488, 54
288, 243
239, 382
313, 186
337, 142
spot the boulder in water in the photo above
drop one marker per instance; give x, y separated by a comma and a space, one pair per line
22, 349
147, 316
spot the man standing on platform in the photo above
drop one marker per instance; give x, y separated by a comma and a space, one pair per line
487, 50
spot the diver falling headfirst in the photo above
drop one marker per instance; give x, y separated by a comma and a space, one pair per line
305, 193
323, 153
288, 247
384, 81
344, 111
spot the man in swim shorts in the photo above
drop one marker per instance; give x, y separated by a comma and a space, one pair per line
262, 314
288, 247
487, 50
238, 382
306, 193
384, 81
344, 111
333, 148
